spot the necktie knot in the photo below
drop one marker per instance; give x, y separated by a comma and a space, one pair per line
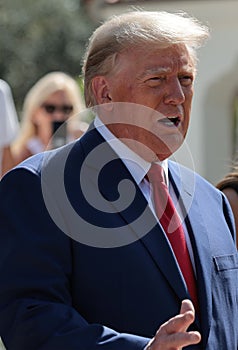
156, 174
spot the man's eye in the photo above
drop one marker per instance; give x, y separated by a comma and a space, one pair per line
157, 78
186, 80
154, 81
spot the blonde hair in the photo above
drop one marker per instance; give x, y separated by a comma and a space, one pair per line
47, 85
136, 29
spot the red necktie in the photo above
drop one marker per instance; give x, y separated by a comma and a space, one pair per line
171, 223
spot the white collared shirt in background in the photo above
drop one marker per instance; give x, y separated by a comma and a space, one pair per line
9, 124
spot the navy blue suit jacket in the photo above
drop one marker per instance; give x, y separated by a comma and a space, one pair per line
69, 283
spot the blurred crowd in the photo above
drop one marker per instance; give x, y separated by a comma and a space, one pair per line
50, 118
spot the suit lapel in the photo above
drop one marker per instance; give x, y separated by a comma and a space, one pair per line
142, 223
186, 187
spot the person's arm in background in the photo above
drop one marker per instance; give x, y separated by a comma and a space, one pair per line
7, 160
232, 197
229, 186
9, 127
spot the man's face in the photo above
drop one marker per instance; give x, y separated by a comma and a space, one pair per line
161, 79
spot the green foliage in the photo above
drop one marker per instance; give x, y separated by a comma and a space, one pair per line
39, 36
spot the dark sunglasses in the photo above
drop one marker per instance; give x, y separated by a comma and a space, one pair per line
50, 109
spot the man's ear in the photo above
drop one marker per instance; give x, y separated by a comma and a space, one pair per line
101, 90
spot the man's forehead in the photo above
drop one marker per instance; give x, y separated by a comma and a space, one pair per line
172, 52
156, 60
161, 68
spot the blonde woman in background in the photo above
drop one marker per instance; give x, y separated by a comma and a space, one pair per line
8, 127
54, 98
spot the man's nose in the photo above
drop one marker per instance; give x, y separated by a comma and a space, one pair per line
174, 93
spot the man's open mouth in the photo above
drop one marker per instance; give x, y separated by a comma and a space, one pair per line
171, 121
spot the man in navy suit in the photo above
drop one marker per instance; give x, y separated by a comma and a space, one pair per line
85, 263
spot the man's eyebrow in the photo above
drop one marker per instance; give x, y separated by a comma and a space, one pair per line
159, 70
165, 70
188, 69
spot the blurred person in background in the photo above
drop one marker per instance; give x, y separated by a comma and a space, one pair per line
8, 127
49, 103
229, 186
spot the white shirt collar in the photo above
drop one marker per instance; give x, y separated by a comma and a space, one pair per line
137, 166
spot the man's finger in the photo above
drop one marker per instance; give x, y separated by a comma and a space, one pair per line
186, 305
179, 323
174, 341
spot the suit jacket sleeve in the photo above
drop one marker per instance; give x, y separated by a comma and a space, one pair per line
36, 306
